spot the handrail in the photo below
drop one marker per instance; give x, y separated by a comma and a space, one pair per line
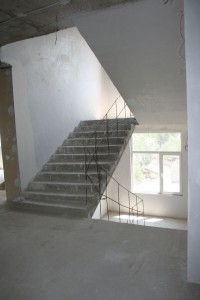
138, 200
101, 191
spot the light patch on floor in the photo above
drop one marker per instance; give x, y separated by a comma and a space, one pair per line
153, 221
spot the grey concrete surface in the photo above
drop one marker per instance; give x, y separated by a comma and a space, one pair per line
25, 19
49, 258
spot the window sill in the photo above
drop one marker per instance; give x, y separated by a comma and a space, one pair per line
160, 194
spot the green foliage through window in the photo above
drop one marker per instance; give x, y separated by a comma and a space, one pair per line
170, 141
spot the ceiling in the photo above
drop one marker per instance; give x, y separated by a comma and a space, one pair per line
141, 46
23, 19
140, 43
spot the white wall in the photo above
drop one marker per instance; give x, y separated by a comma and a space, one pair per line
140, 46
192, 43
55, 86
158, 205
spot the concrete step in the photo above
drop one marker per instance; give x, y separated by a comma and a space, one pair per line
81, 157
65, 177
74, 167
62, 187
80, 149
85, 142
78, 200
100, 128
53, 208
122, 121
99, 134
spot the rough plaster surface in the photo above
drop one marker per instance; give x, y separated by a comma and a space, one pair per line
55, 86
192, 27
44, 257
25, 19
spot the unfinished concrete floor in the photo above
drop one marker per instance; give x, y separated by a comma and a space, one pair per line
51, 258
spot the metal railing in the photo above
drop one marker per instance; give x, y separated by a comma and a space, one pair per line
134, 205
122, 200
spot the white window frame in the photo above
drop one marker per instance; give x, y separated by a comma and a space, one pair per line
161, 154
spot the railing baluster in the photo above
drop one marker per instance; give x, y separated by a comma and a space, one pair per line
119, 205
107, 131
137, 208
100, 209
129, 206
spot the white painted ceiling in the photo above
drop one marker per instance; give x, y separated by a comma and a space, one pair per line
141, 46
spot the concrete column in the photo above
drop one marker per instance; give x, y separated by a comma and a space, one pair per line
8, 134
192, 44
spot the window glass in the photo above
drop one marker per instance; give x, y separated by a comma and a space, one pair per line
171, 173
146, 172
170, 141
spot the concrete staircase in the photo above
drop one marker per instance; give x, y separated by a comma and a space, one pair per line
60, 186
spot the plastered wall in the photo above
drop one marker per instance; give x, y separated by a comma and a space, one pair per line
56, 83
192, 44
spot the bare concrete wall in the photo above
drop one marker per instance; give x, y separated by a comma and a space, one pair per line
57, 82
8, 135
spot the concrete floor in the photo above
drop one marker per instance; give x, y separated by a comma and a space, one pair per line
50, 258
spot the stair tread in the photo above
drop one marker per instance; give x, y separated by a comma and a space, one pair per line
93, 138
66, 173
78, 154
62, 183
67, 205
55, 193
75, 163
102, 131
88, 146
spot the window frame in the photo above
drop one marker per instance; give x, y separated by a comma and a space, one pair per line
161, 154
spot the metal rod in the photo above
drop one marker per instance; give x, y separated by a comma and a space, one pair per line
137, 208
129, 206
107, 130
119, 205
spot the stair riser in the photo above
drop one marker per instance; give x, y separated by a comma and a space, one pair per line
78, 201
80, 150
85, 142
91, 128
81, 158
98, 134
95, 123
72, 168
66, 188
72, 213
71, 178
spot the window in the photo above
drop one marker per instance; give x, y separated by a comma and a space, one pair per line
156, 161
